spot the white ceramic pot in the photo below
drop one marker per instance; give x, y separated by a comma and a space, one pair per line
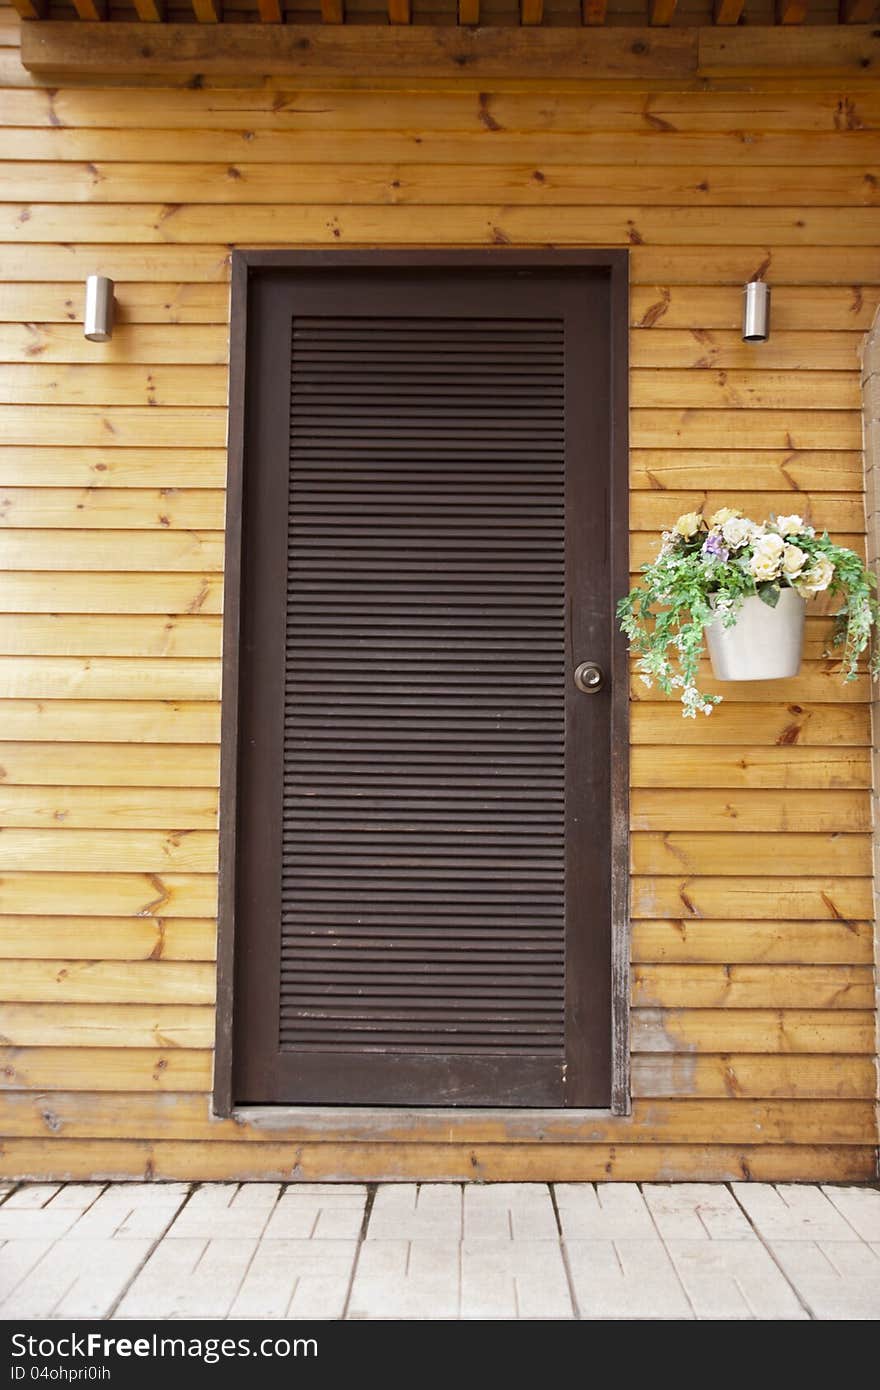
763, 645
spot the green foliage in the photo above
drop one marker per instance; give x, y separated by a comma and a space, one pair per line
704, 571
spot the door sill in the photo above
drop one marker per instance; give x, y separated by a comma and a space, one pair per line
445, 1125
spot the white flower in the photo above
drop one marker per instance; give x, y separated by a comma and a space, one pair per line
790, 525
724, 514
766, 558
793, 561
688, 525
737, 532
816, 578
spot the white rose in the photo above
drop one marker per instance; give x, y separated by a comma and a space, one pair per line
737, 532
790, 525
724, 514
766, 558
793, 561
816, 578
688, 525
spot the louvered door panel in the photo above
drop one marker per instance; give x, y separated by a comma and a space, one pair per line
424, 791
423, 843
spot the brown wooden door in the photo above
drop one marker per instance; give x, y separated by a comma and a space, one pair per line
423, 839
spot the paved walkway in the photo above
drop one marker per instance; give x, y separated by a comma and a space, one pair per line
614, 1250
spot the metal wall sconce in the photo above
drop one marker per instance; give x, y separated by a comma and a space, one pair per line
98, 317
756, 312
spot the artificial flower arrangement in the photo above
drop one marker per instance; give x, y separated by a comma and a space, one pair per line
706, 571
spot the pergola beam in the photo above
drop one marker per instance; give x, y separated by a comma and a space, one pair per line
531, 11
469, 12
208, 11
660, 12
857, 11
270, 11
399, 12
593, 12
728, 11
791, 11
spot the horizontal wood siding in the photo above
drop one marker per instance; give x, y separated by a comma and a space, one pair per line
753, 1031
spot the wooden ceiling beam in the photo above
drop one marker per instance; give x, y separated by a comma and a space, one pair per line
150, 11
31, 9
469, 12
399, 12
660, 12
791, 11
531, 11
270, 11
208, 11
91, 10
593, 12
332, 11
728, 11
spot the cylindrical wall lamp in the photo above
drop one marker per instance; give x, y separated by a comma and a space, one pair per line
98, 317
756, 312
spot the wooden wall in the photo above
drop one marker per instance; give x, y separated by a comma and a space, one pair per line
752, 978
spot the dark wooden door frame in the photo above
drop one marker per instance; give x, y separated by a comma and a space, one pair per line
245, 264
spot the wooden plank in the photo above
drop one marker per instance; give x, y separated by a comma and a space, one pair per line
468, 11
817, 681
90, 1160
128, 426
843, 1032
38, 305
108, 894
727, 11
488, 224
270, 11
31, 9
753, 986
77, 634
112, 807
653, 511
401, 50
93, 468
704, 852
749, 812
740, 1076
107, 938
785, 943
32, 383
714, 348
795, 310
857, 11
208, 11
150, 11
91, 592
62, 849
757, 429
333, 11
106, 721
120, 1070
91, 10
751, 767
773, 470
768, 723
117, 551
531, 11
757, 51
186, 344
108, 982
124, 509
111, 1025
660, 12
758, 899
98, 1115
108, 678
791, 11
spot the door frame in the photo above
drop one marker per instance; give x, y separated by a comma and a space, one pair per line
245, 264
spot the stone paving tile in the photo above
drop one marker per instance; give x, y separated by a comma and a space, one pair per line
297, 1279
625, 1279
77, 1279
45, 1212
860, 1206
410, 1211
132, 1210
603, 1211
733, 1279
228, 1210
189, 1277
318, 1210
17, 1258
696, 1211
407, 1279
789, 1212
836, 1279
509, 1211
513, 1279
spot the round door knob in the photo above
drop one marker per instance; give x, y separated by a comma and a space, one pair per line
589, 677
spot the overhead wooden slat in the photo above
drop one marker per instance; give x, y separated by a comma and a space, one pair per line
333, 11
469, 12
857, 11
728, 11
150, 11
791, 11
661, 12
593, 12
531, 11
399, 12
31, 9
208, 11
270, 11
91, 9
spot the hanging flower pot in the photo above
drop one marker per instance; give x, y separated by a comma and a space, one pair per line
763, 644
741, 588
